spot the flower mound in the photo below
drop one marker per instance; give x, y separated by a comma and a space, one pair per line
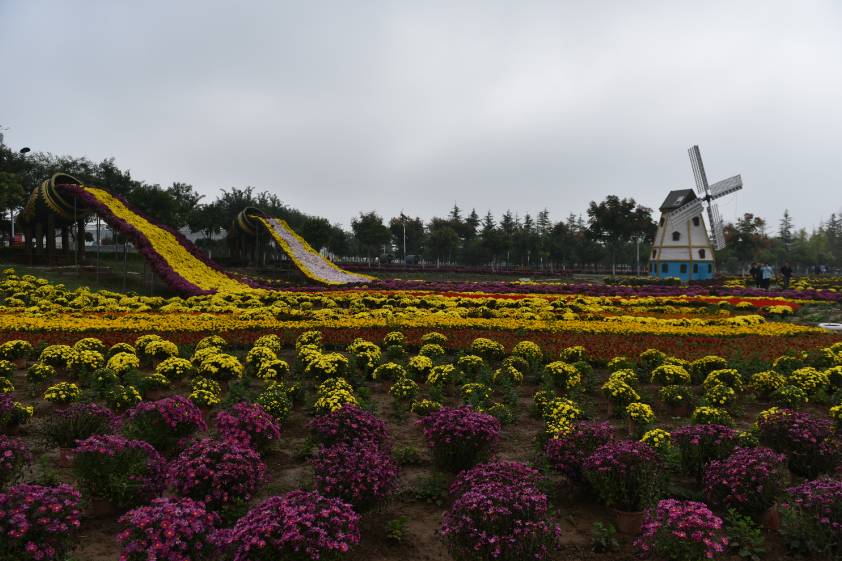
748, 480
812, 517
499, 515
299, 525
699, 444
250, 424
625, 474
164, 423
38, 523
14, 457
216, 473
681, 530
348, 424
168, 529
124, 472
459, 438
567, 452
809, 442
358, 473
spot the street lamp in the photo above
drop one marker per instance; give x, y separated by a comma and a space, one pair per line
637, 239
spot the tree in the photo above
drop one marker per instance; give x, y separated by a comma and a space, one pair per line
370, 232
745, 237
414, 228
442, 240
317, 231
614, 222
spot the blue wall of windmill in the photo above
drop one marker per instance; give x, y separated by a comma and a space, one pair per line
682, 269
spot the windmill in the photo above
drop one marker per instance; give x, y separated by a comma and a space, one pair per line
682, 245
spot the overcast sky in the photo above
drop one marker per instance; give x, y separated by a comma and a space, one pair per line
339, 107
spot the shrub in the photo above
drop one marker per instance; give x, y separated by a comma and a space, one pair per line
164, 423
394, 339
701, 367
562, 376
419, 366
15, 349
434, 338
170, 529
811, 518
650, 359
459, 438
271, 342
530, 352
216, 473
175, 368
211, 341
470, 365
808, 379
748, 480
404, 389
640, 414
808, 442
573, 354
13, 413
559, 416
273, 370
275, 400
765, 383
357, 472
658, 439
699, 444
258, 356
431, 351
347, 424
487, 349
63, 392
711, 416
78, 422
675, 395
626, 375
120, 348
681, 531
57, 356
620, 394
141, 342
86, 361
160, 350
123, 362
300, 525
327, 365
39, 373
389, 371
619, 363
424, 407
790, 397
475, 394
724, 376
38, 523
567, 453
249, 424
504, 473
124, 472
669, 375
625, 474
14, 458
365, 355
720, 395
221, 367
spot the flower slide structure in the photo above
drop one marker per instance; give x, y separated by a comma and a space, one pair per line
172, 257
251, 221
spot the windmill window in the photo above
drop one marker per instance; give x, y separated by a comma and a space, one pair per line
665, 268
676, 236
654, 268
710, 268
683, 268
695, 221
695, 267
702, 253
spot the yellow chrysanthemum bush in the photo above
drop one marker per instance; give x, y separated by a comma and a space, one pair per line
419, 366
257, 356
326, 365
332, 394
123, 362
271, 342
470, 365
720, 395
90, 344
702, 367
85, 361
443, 375
530, 352
808, 379
58, 356
365, 355
221, 366
560, 415
669, 375
650, 359
175, 368
658, 439
389, 371
620, 394
763, 384
63, 392
404, 389
562, 375
706, 415
273, 370
730, 377
488, 349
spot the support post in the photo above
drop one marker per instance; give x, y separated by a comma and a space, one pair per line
51, 238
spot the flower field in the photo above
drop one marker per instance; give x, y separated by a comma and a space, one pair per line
486, 421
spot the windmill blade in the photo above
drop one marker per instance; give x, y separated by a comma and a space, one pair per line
726, 186
716, 230
687, 211
698, 171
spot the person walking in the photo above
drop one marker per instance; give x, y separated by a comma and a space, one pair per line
786, 273
754, 271
765, 275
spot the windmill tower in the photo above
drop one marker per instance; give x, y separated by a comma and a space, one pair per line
682, 246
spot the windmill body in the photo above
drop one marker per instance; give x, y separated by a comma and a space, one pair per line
683, 248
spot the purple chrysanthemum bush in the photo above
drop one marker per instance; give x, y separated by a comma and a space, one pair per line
748, 480
460, 437
168, 530
625, 474
567, 452
809, 442
165, 423
216, 472
14, 458
811, 518
250, 424
347, 424
681, 531
358, 472
126, 473
699, 444
38, 523
299, 526
498, 513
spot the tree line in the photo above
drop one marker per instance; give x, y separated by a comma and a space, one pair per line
610, 232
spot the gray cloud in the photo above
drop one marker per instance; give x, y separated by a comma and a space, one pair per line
345, 106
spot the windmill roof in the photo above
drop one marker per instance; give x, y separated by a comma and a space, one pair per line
677, 198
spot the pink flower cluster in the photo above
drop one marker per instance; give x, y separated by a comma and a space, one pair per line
625, 474
460, 437
216, 472
498, 516
699, 444
38, 523
125, 472
749, 480
809, 442
164, 423
348, 424
14, 457
298, 525
814, 510
568, 452
168, 530
682, 530
358, 472
249, 424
